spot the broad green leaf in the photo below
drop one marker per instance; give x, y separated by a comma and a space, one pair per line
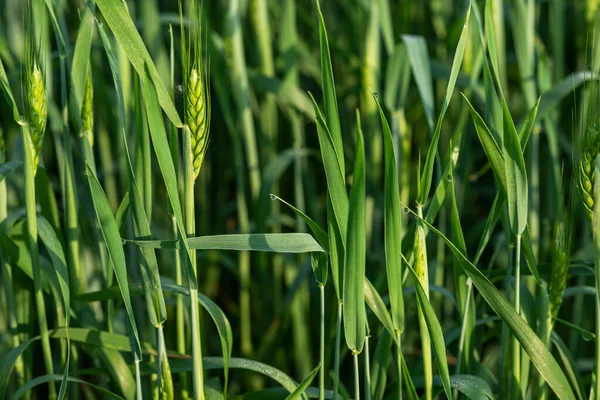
392, 226
270, 242
354, 266
537, 351
122, 26
110, 233
427, 175
435, 333
304, 384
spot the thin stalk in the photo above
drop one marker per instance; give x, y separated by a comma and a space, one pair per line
32, 244
596, 234
188, 200
516, 356
356, 377
180, 317
399, 363
322, 345
138, 381
367, 370
338, 338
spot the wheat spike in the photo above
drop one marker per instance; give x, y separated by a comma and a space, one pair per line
198, 119
589, 151
87, 109
38, 112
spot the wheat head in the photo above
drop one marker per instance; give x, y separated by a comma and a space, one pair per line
197, 112
38, 112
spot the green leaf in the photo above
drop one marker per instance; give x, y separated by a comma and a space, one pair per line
110, 233
418, 55
392, 227
354, 267
472, 386
269, 242
537, 351
121, 24
376, 304
334, 172
570, 365
167, 169
7, 363
435, 332
427, 175
516, 175
329, 95
304, 384
81, 60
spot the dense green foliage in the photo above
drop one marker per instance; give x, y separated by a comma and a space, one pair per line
282, 199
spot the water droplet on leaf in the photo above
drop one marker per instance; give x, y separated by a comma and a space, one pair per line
273, 197
406, 210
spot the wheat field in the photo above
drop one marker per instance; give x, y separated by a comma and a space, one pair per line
282, 199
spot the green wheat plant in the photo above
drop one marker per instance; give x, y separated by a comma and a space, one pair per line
299, 199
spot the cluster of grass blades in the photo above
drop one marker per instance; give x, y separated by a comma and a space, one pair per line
170, 258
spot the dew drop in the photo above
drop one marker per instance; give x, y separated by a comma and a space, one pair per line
180, 88
123, 242
376, 95
406, 210
449, 178
273, 197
